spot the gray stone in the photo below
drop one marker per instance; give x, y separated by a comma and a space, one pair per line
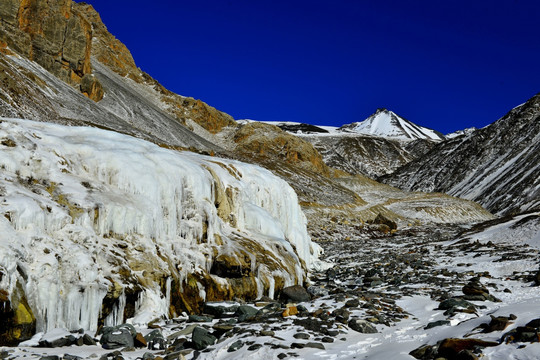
436, 323
362, 326
155, 340
235, 346
115, 338
267, 333
187, 331
352, 303
341, 315
88, 340
71, 357
246, 312
295, 293
423, 352
200, 318
201, 338
61, 342
453, 303
254, 347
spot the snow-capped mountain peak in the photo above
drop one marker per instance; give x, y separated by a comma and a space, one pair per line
386, 123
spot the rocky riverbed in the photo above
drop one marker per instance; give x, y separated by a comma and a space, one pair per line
423, 292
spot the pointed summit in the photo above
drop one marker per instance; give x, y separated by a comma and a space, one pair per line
386, 123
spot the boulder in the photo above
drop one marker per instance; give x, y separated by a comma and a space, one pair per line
436, 324
156, 340
341, 315
290, 310
91, 87
498, 323
140, 341
423, 352
117, 337
235, 346
475, 287
220, 309
455, 305
59, 342
201, 338
200, 318
362, 326
383, 220
246, 312
295, 293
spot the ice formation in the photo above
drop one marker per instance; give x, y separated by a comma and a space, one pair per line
83, 209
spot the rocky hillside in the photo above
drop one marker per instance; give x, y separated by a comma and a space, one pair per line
367, 155
67, 41
497, 166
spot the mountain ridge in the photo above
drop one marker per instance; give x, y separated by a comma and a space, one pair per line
495, 166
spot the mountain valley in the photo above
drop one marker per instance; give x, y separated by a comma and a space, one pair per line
137, 223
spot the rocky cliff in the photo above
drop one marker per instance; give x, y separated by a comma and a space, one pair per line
52, 33
66, 38
496, 166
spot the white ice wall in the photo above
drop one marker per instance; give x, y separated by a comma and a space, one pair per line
64, 190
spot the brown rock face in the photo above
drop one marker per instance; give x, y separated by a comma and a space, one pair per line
91, 87
106, 48
267, 141
115, 55
63, 36
49, 33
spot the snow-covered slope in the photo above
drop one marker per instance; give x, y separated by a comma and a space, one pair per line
385, 123
95, 222
497, 166
466, 131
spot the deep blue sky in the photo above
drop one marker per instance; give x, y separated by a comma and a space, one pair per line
446, 65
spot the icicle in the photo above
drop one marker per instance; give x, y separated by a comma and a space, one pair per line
116, 317
146, 198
